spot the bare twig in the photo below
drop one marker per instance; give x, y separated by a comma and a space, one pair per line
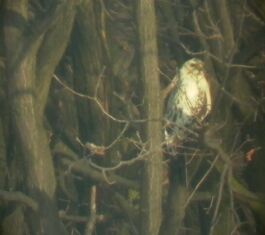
129, 162
172, 85
101, 150
201, 181
98, 103
93, 98
216, 58
78, 218
220, 195
93, 212
119, 136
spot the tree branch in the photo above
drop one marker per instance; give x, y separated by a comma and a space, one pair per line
18, 197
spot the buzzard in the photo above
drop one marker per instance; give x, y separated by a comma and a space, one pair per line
189, 103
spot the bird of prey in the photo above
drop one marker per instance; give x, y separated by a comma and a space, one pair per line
189, 103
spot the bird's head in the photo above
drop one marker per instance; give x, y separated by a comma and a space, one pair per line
192, 67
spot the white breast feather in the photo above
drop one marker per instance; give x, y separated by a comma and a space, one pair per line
192, 99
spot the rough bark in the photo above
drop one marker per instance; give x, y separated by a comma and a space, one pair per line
152, 175
89, 73
27, 118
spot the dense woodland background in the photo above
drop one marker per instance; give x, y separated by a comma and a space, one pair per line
83, 86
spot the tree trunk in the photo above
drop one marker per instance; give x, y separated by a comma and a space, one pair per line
152, 176
27, 110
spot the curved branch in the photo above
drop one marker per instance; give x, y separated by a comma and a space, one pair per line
20, 198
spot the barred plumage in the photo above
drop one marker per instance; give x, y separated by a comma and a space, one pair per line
189, 103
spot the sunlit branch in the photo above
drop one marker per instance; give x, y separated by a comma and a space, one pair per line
99, 104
